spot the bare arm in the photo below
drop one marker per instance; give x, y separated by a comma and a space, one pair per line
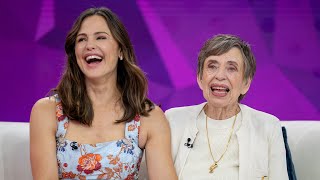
43, 126
158, 147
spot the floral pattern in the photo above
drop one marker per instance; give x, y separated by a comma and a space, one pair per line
61, 143
89, 163
68, 175
119, 159
59, 112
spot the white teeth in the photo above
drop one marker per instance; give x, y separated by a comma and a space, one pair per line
219, 88
93, 57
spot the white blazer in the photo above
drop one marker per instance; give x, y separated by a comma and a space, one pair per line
261, 147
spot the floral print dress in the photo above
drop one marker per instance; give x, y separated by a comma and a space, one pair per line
119, 159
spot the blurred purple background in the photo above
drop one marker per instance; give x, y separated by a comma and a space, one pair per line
167, 36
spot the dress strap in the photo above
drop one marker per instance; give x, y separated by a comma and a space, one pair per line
133, 129
62, 120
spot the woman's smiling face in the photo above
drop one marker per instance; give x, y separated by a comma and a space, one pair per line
222, 80
96, 50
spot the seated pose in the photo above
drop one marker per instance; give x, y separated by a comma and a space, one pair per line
98, 121
221, 138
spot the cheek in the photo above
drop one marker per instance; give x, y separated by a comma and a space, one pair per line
238, 83
111, 47
207, 77
110, 53
78, 51
208, 72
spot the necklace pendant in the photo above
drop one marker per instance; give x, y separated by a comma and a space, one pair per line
213, 167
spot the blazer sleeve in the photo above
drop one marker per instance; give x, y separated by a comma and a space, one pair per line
277, 155
174, 142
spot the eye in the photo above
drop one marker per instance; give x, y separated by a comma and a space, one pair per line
101, 37
232, 69
211, 66
81, 39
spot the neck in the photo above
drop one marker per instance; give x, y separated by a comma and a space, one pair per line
221, 113
103, 93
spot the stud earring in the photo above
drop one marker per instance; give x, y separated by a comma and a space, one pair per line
121, 58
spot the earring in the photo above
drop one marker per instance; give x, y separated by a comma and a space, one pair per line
121, 58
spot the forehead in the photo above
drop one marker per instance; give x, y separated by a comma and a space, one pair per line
233, 55
94, 23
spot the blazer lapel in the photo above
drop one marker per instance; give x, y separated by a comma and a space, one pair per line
243, 135
184, 150
191, 132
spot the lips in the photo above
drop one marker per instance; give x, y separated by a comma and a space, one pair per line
219, 88
93, 59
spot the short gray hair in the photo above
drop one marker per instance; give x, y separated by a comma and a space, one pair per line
221, 44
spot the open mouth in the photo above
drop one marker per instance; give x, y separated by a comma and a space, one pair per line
220, 89
93, 59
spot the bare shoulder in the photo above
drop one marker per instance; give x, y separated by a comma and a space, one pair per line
156, 117
44, 105
43, 112
43, 102
153, 125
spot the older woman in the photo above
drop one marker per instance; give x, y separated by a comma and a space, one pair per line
221, 138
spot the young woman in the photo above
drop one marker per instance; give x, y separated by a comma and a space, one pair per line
99, 121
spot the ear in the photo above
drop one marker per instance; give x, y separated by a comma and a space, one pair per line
246, 86
199, 81
120, 54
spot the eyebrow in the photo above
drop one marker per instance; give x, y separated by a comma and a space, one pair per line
228, 62
213, 61
233, 63
96, 33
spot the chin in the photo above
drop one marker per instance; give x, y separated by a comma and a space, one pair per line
221, 102
93, 76
217, 103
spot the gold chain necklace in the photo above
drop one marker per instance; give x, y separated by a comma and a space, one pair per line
215, 163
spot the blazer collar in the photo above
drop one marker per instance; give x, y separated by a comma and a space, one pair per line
193, 123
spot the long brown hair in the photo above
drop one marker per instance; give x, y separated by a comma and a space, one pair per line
131, 81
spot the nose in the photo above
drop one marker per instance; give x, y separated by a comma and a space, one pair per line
221, 74
90, 45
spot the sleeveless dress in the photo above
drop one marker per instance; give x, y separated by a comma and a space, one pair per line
119, 159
